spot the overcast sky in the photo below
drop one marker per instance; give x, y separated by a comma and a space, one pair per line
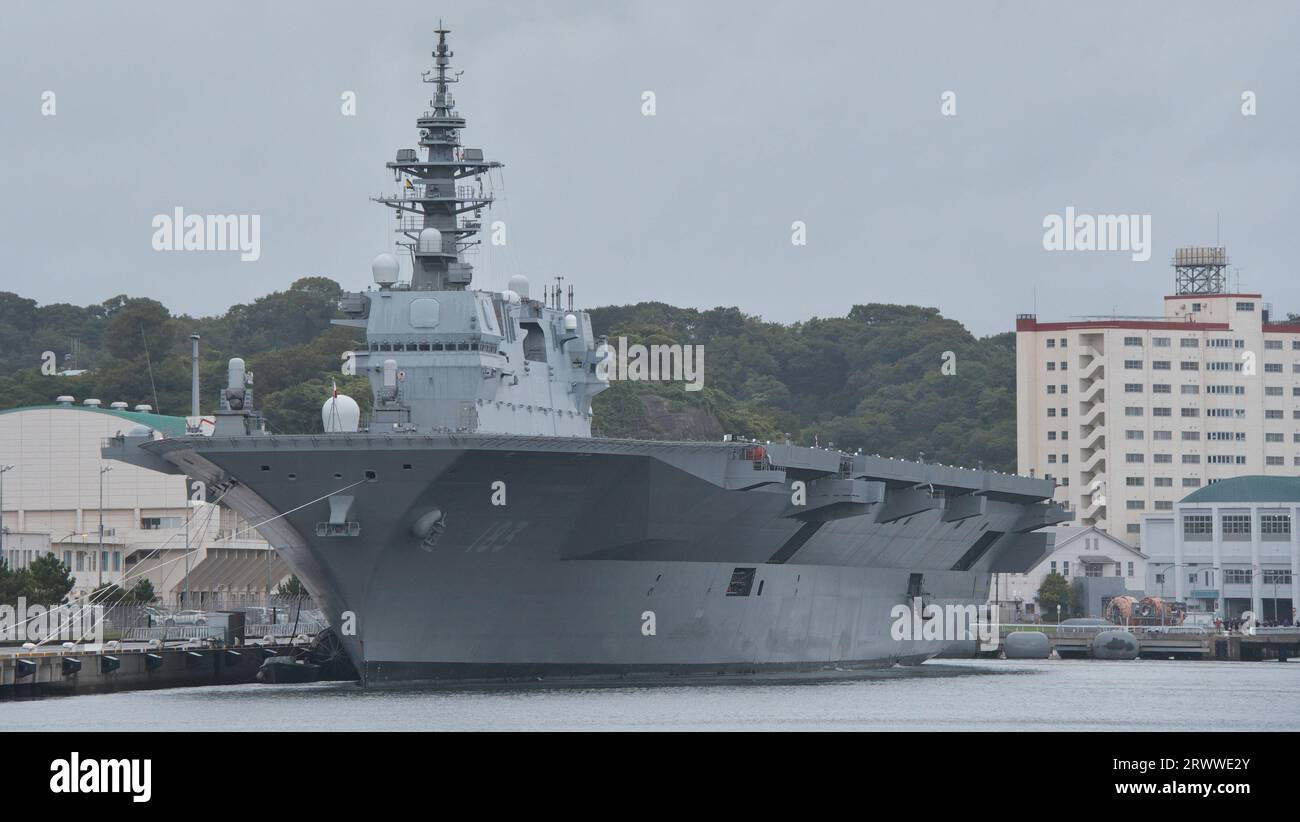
766, 113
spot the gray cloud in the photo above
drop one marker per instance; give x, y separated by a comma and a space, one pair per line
767, 113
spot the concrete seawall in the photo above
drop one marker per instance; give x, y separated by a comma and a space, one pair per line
60, 672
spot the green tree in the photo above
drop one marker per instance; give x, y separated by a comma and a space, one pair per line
291, 587
48, 581
12, 583
142, 593
1054, 592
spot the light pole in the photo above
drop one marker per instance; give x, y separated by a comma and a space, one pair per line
3, 468
103, 469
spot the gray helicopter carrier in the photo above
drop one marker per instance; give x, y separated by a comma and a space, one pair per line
474, 529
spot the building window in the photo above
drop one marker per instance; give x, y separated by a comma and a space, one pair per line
1162, 435
1092, 569
1236, 524
1135, 482
1133, 457
1164, 482
1137, 341
1159, 342
1273, 345
1065, 568
1133, 364
1162, 458
1135, 505
1236, 576
1245, 306
1160, 388
1051, 342
1133, 387
1197, 525
1190, 366
1275, 524
1161, 365
1191, 436
1133, 434
1277, 576
1191, 342
1191, 482
1130, 569
158, 523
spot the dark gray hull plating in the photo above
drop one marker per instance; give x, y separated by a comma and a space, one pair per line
607, 558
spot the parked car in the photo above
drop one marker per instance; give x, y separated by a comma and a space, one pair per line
185, 618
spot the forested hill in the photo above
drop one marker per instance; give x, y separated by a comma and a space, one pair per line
872, 379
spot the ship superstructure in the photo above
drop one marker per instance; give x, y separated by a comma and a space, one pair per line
474, 529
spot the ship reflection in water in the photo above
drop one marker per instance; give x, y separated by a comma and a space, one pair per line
953, 695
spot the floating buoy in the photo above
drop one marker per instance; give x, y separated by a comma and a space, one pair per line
1114, 645
1027, 645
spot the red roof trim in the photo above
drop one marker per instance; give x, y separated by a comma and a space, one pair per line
1282, 328
1152, 325
1212, 296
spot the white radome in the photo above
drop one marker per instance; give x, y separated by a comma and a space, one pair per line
519, 284
384, 268
430, 240
340, 415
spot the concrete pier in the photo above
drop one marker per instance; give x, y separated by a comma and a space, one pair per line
60, 672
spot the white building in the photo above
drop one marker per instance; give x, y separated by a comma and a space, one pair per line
1080, 551
50, 504
1229, 548
1129, 415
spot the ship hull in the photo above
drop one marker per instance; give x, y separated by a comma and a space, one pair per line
576, 559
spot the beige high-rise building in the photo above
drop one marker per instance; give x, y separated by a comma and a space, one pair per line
1130, 415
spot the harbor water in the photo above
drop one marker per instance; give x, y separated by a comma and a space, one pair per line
951, 695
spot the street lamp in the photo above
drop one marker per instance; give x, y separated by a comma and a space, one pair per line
3, 468
103, 469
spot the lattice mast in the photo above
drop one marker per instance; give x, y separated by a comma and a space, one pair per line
443, 191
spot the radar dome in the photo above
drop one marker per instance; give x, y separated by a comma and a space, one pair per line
519, 285
385, 268
140, 431
430, 241
510, 297
340, 414
570, 323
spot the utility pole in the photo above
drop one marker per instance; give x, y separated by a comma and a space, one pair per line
187, 542
103, 469
3, 468
194, 376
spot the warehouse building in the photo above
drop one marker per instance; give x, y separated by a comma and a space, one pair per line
1228, 548
50, 494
